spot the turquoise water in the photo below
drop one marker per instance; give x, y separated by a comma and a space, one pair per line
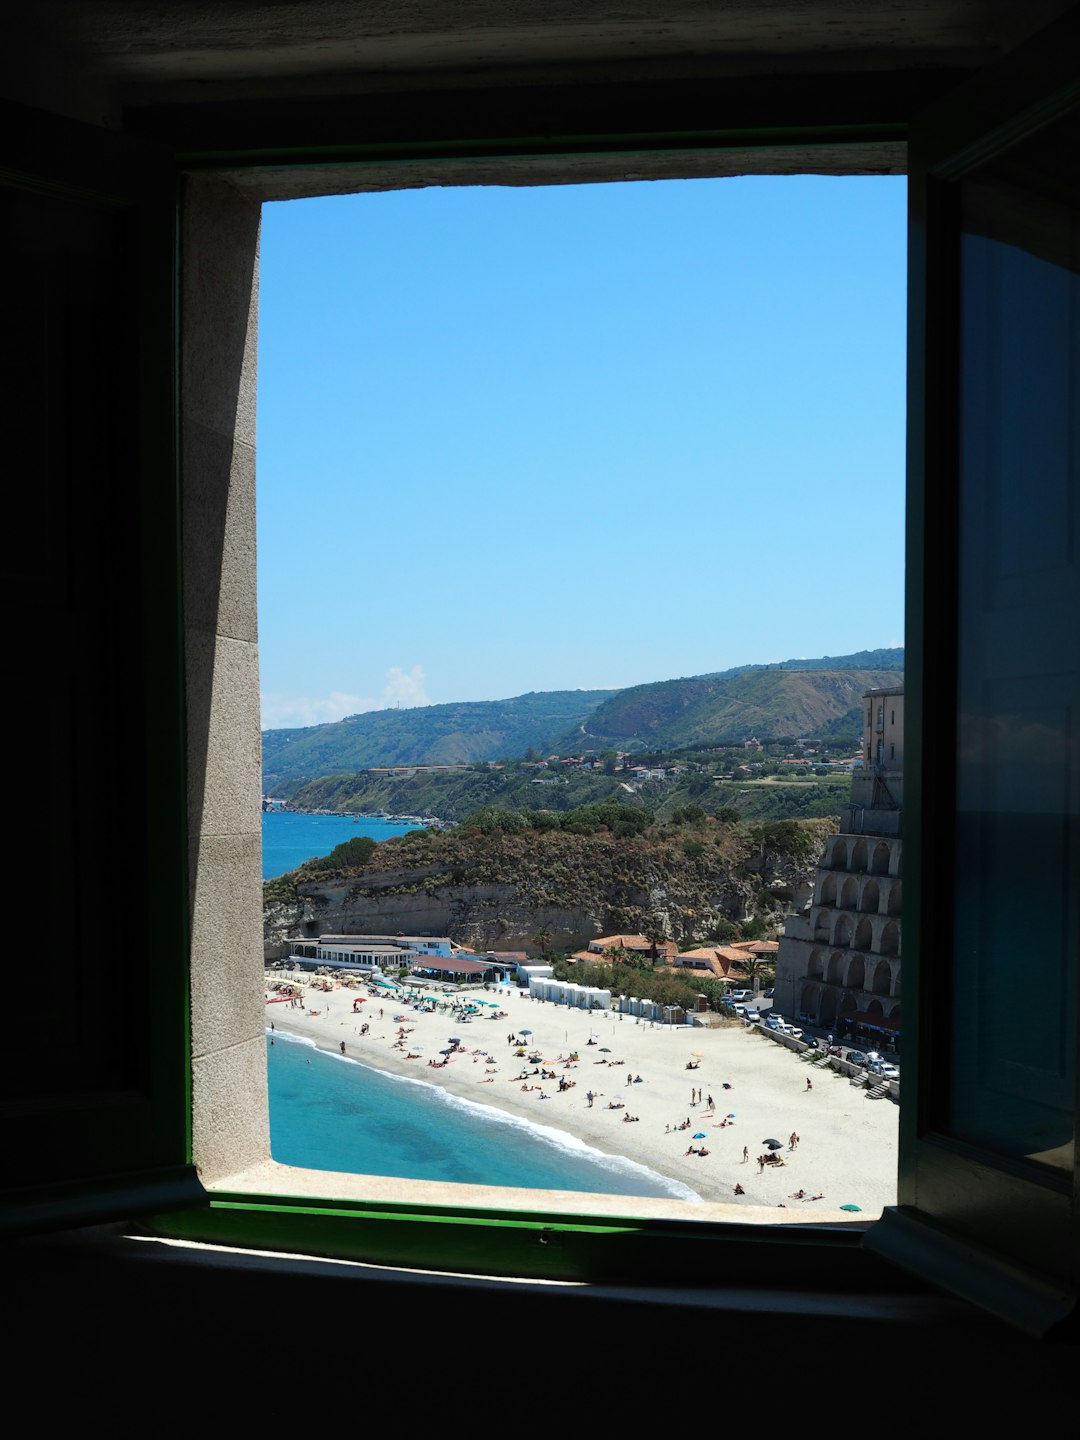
288, 840
328, 1112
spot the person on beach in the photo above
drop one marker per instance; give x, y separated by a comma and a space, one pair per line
809, 1083
739, 1190
711, 1103
793, 1140
745, 1154
343, 1047
761, 1164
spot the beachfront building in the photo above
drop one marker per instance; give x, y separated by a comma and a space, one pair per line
838, 963
350, 952
440, 945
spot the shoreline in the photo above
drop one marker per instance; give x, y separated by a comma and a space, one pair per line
357, 815
526, 1123
846, 1151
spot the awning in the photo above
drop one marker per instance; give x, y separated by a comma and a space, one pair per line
871, 1020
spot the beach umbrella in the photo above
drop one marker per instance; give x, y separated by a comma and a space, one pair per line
700, 1135
773, 1144
604, 1050
850, 1207
524, 1032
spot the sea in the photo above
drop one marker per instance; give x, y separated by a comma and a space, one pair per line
330, 1112
290, 838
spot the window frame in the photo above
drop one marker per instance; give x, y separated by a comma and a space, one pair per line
237, 170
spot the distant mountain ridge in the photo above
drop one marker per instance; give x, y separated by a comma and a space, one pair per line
819, 697
453, 734
768, 703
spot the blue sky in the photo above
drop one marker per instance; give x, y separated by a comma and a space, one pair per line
575, 437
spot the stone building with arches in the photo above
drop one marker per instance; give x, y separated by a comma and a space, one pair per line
839, 960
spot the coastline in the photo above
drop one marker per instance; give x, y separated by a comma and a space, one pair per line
356, 815
847, 1147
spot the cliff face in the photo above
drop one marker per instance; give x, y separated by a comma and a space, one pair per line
502, 892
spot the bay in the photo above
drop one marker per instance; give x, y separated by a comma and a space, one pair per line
289, 838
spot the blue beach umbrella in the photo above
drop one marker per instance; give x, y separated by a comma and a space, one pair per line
700, 1135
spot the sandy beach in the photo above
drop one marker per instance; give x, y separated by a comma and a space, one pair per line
846, 1147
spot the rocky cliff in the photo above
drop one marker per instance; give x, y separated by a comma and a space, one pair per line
554, 890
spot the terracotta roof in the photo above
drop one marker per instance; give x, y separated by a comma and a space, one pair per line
733, 954
633, 942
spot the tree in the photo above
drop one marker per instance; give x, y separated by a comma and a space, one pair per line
541, 938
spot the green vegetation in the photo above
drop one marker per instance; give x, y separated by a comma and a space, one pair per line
351, 854
634, 975
455, 796
613, 819
767, 703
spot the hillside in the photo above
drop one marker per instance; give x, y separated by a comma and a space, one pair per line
556, 889
817, 697
454, 795
708, 710
428, 735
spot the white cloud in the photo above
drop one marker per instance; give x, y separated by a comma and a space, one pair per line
291, 712
407, 690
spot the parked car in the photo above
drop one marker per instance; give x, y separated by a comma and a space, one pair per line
885, 1069
754, 1016
857, 1057
741, 996
740, 1010
794, 1032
